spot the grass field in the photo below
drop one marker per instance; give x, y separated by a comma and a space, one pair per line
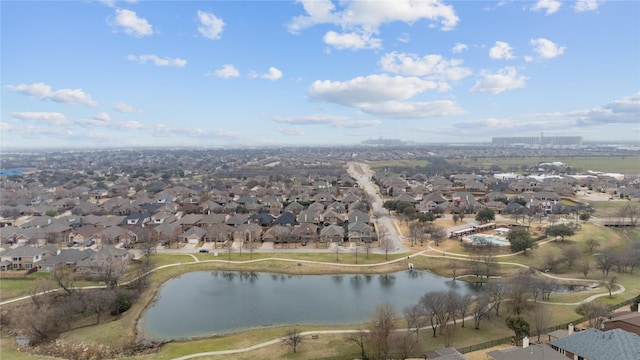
119, 331
624, 165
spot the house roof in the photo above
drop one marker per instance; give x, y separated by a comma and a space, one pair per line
285, 218
24, 251
629, 317
67, 256
595, 344
533, 352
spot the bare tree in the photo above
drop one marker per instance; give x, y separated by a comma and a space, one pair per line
404, 344
64, 278
293, 339
610, 284
517, 293
99, 302
414, 315
381, 329
448, 334
462, 306
476, 266
585, 266
594, 312
592, 244
385, 241
110, 271
541, 319
605, 261
496, 292
360, 338
570, 254
436, 305
415, 231
489, 262
453, 266
630, 211
481, 310
437, 234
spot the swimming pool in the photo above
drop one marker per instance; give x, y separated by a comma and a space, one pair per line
480, 239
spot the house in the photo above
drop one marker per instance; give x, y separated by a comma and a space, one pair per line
278, 234
625, 320
193, 236
219, 233
360, 232
445, 354
64, 258
24, 257
332, 217
332, 233
358, 216
262, 219
285, 219
106, 255
248, 232
309, 216
593, 344
305, 232
532, 352
138, 219
83, 234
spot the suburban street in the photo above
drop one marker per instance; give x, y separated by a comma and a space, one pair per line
363, 173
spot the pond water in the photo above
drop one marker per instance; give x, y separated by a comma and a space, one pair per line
207, 303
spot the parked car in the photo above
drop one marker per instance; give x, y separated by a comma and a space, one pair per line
204, 251
90, 242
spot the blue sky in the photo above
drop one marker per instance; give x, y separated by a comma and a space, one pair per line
259, 73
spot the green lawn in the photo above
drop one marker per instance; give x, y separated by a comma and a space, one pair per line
624, 165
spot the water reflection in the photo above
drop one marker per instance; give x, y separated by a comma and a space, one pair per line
206, 303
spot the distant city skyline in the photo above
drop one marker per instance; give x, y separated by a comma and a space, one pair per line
111, 73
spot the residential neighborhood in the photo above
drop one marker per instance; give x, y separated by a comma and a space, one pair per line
105, 223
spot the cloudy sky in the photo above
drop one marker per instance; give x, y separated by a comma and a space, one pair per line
317, 72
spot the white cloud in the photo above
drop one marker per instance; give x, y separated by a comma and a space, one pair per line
335, 121
295, 131
52, 118
314, 119
273, 74
415, 110
404, 37
503, 80
586, 5
372, 88
43, 91
459, 47
364, 18
158, 61
501, 50
6, 127
102, 117
126, 125
429, 66
549, 6
626, 110
112, 3
132, 24
210, 25
352, 40
228, 71
123, 108
546, 49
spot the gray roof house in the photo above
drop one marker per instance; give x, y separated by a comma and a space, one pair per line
593, 344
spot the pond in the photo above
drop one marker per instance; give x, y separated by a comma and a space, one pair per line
206, 303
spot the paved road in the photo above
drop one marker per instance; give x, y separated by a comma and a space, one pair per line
363, 173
